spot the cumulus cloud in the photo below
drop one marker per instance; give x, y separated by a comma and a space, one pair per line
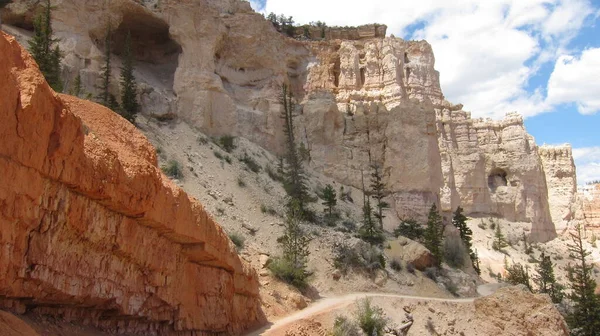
587, 161
575, 79
486, 51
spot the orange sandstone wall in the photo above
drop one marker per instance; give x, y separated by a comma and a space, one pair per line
92, 231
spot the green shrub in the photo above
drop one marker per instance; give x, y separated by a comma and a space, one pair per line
250, 163
432, 273
173, 169
268, 210
227, 142
218, 155
370, 318
482, 225
410, 267
344, 327
396, 265
454, 251
273, 174
452, 288
237, 239
202, 140
361, 257
349, 225
241, 183
287, 272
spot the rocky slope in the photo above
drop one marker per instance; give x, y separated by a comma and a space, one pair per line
92, 231
367, 99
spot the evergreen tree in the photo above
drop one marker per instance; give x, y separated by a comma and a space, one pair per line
294, 243
293, 172
546, 281
76, 88
369, 231
434, 234
499, 240
329, 197
466, 234
410, 229
104, 97
526, 246
44, 49
378, 192
517, 274
585, 318
129, 100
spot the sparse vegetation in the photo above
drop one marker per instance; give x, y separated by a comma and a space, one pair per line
482, 225
227, 142
173, 169
129, 101
344, 327
267, 209
410, 268
466, 235
238, 240
432, 273
369, 231
44, 48
396, 265
518, 274
362, 258
250, 163
410, 229
371, 319
105, 97
240, 182
273, 174
454, 251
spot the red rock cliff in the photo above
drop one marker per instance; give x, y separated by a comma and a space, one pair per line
91, 230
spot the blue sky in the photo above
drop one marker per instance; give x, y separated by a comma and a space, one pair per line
540, 58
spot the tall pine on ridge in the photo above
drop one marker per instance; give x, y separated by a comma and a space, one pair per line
466, 234
379, 192
585, 318
104, 97
44, 49
129, 101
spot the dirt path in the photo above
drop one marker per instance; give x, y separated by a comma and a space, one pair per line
329, 304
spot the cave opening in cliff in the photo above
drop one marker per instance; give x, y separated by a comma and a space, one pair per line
154, 51
497, 178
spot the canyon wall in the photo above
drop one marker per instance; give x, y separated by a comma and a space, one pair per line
589, 206
92, 231
365, 99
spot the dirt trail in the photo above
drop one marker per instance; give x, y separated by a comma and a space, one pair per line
329, 304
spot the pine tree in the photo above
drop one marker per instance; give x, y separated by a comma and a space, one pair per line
104, 96
43, 49
294, 242
466, 234
76, 88
293, 172
499, 240
434, 234
378, 192
585, 318
369, 231
546, 281
329, 197
129, 100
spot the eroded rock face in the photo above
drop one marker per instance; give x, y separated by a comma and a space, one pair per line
91, 230
589, 198
363, 99
561, 179
516, 311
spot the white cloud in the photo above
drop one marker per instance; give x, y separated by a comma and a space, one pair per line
486, 51
576, 80
587, 161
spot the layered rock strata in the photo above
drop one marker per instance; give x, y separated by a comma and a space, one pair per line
363, 99
91, 230
589, 201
